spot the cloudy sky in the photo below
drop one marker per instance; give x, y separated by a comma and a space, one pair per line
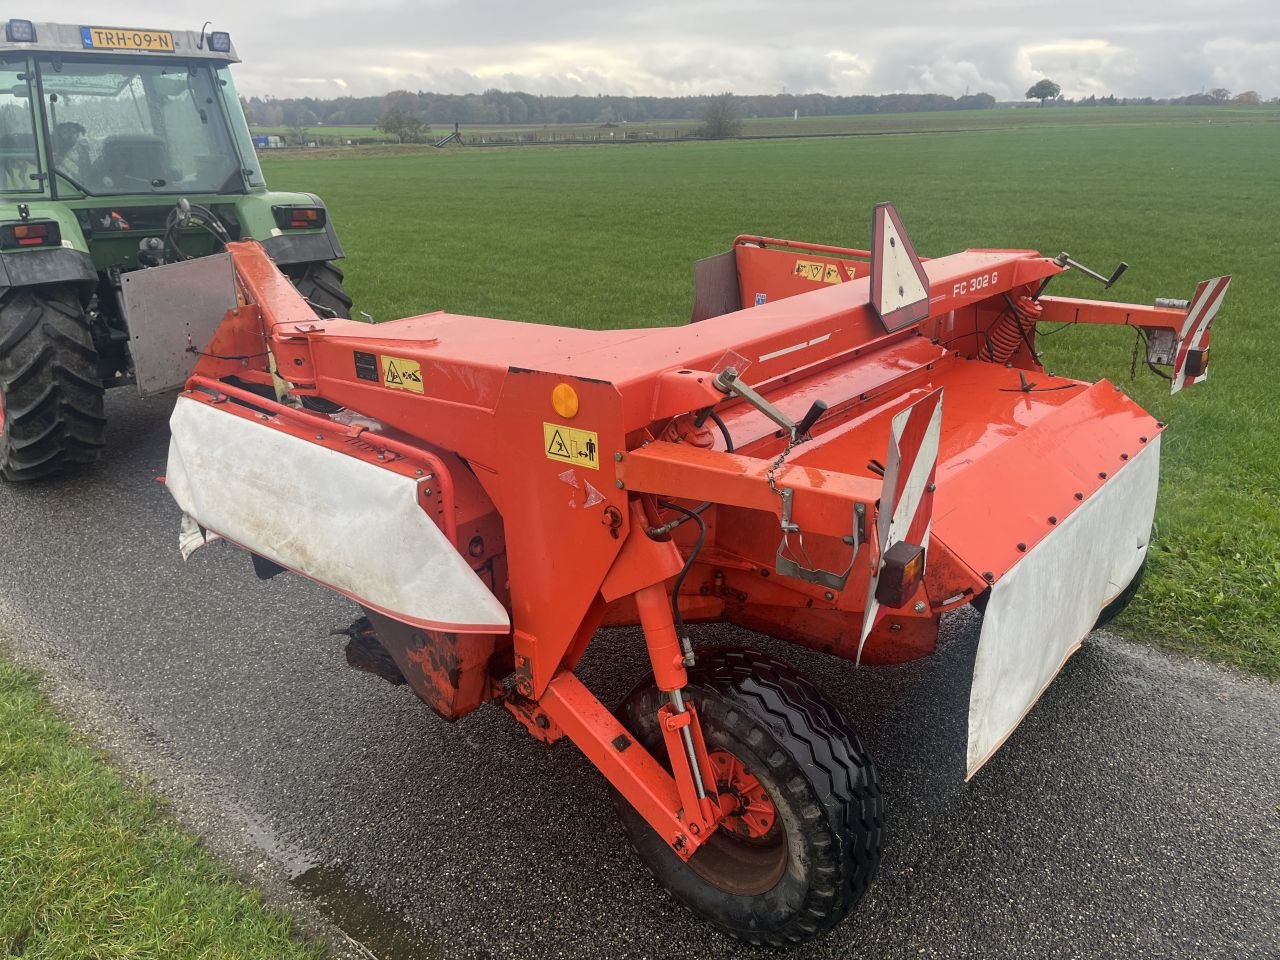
330, 47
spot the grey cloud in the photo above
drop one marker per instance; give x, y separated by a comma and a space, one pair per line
328, 47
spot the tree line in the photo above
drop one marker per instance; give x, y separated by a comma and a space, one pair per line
1046, 91
499, 106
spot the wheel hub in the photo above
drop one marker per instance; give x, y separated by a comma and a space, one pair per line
747, 855
748, 810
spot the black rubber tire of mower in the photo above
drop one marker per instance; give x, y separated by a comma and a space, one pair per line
321, 282
1122, 600
51, 399
823, 848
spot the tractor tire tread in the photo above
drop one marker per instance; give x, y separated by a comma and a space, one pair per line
51, 396
321, 282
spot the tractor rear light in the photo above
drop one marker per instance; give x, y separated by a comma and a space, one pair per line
1197, 363
901, 575
20, 31
220, 41
300, 218
36, 233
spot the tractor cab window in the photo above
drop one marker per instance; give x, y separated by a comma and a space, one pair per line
138, 127
19, 159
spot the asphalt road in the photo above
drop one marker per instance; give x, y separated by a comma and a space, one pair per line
1136, 813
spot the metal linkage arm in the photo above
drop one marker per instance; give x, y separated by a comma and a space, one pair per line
822, 503
1073, 310
728, 381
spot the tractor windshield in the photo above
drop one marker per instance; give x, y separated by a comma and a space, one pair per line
19, 160
127, 127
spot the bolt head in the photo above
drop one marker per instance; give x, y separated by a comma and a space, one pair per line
920, 606
828, 595
618, 456
619, 484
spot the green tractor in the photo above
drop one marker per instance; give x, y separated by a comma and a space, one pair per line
126, 166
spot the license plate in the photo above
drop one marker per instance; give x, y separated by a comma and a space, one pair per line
118, 38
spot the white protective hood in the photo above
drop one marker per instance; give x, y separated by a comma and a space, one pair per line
346, 523
1043, 608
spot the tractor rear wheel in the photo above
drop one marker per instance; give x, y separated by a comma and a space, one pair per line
801, 840
321, 282
51, 399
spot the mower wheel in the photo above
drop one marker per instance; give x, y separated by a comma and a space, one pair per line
51, 399
801, 841
321, 282
1122, 600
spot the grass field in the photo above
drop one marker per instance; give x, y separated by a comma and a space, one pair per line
603, 237
91, 868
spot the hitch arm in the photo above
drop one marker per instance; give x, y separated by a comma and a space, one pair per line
823, 501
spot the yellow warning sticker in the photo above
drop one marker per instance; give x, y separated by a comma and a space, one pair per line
567, 445
817, 271
401, 374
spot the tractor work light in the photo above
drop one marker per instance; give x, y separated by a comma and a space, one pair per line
300, 218
20, 31
220, 41
900, 578
31, 233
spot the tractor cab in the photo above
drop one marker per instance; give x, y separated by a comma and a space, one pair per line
93, 112
126, 167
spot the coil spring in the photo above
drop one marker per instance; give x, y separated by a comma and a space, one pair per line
1011, 330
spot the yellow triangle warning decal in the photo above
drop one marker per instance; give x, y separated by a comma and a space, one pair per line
400, 373
556, 447
571, 445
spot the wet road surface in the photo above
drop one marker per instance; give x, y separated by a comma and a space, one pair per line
1136, 812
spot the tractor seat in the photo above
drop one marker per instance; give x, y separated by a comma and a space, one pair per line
129, 158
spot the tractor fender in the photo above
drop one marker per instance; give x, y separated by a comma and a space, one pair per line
287, 248
39, 266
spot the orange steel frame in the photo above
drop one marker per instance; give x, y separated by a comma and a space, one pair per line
573, 543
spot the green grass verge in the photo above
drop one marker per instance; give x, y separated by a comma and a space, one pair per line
603, 237
90, 867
